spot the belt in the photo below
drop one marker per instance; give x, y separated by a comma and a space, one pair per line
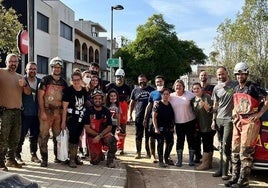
10, 109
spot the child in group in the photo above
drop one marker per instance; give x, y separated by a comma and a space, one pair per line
112, 103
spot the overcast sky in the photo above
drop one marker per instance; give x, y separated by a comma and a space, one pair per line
195, 20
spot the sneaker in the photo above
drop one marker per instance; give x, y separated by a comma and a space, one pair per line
13, 163
35, 159
153, 159
20, 161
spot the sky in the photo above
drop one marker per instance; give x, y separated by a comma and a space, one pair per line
195, 20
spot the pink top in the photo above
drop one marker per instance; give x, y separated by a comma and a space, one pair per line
182, 106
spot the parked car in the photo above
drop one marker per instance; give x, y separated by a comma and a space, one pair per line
261, 151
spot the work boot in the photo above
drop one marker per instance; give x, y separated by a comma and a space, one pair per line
225, 169
179, 155
138, 155
44, 157
235, 171
13, 163
191, 157
169, 161
35, 159
198, 157
138, 148
152, 149
243, 178
218, 173
3, 166
205, 162
73, 155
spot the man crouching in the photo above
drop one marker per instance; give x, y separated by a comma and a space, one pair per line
98, 126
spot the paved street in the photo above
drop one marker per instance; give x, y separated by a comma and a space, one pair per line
141, 173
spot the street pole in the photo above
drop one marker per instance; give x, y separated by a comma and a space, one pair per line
117, 7
111, 52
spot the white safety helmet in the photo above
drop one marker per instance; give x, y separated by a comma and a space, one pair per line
241, 67
56, 61
120, 72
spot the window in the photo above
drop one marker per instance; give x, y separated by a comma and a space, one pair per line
66, 31
77, 49
97, 58
42, 22
91, 54
42, 64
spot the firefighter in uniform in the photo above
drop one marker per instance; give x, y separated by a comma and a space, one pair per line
246, 114
98, 126
50, 108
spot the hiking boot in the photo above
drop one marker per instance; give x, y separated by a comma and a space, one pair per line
35, 159
13, 163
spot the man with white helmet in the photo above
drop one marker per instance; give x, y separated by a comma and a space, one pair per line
246, 114
124, 92
50, 107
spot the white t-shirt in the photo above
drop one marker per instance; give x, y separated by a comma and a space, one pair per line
183, 111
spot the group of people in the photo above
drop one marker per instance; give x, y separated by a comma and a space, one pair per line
98, 112
44, 107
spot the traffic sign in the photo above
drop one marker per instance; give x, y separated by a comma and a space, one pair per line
113, 62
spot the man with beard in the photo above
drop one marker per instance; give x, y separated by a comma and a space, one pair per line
147, 121
50, 108
139, 98
124, 92
222, 97
30, 121
12, 86
246, 113
98, 126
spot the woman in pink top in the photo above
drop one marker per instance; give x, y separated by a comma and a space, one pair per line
184, 120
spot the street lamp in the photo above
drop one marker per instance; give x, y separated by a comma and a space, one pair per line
117, 7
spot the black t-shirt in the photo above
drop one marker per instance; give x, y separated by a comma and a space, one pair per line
165, 115
104, 115
77, 99
209, 89
123, 91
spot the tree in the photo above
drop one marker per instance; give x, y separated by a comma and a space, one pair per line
9, 28
246, 40
157, 50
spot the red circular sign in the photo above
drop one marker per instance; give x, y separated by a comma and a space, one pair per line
23, 42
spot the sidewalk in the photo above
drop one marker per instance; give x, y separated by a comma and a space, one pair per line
61, 175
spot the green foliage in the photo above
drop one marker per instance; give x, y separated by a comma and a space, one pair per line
9, 28
246, 39
157, 50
